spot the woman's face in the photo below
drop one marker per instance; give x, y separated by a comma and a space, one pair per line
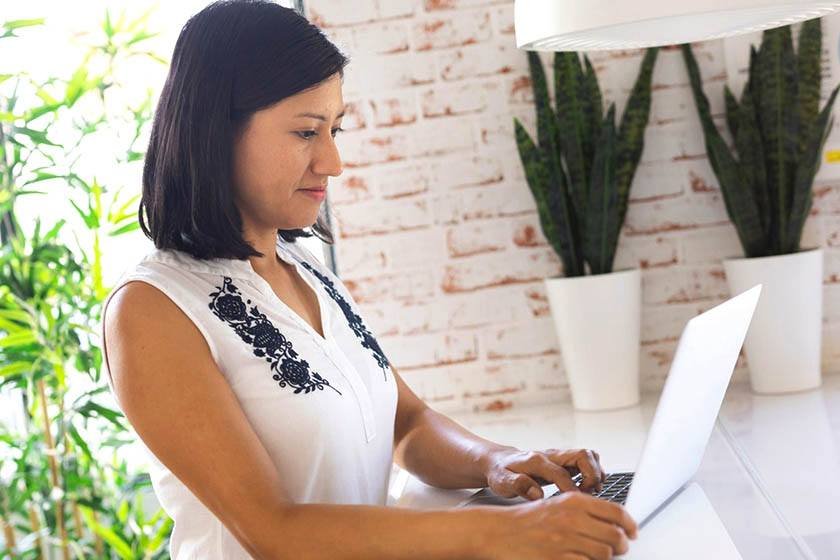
284, 149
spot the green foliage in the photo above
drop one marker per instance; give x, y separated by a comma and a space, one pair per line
581, 168
778, 133
65, 485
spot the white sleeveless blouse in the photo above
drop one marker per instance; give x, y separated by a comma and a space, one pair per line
323, 407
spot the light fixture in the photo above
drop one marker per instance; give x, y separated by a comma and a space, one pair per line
573, 25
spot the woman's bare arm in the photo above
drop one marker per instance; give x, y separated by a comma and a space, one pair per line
181, 406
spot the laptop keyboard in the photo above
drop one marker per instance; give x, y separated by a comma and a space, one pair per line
614, 488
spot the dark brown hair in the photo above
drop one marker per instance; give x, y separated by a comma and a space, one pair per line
231, 59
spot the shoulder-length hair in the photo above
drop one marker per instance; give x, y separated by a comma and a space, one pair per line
231, 59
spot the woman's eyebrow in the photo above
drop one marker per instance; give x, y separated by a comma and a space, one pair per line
319, 117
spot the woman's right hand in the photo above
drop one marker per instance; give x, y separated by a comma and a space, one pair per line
571, 526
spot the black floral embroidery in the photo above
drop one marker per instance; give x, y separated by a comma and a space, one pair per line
353, 319
254, 328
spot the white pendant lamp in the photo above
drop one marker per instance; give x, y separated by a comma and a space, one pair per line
573, 25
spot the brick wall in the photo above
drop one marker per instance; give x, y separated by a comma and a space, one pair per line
438, 236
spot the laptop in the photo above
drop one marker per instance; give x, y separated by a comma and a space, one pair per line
703, 364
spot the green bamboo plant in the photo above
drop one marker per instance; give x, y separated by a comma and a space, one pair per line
65, 488
778, 133
581, 168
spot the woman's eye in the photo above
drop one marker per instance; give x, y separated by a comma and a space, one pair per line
313, 133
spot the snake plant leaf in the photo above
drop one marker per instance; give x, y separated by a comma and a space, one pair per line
547, 136
596, 112
630, 140
731, 111
553, 202
573, 120
739, 201
751, 160
779, 116
752, 80
808, 69
805, 173
602, 223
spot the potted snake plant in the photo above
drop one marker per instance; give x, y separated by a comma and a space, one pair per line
779, 133
579, 171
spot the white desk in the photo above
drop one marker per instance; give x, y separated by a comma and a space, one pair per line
791, 443
763, 490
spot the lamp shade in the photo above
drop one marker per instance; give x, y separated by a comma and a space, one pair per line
573, 25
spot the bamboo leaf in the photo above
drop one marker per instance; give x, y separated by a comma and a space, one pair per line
125, 229
108, 535
18, 339
14, 368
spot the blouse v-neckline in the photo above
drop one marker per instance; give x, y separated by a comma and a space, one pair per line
263, 286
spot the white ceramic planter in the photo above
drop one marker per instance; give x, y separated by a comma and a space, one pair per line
598, 323
784, 343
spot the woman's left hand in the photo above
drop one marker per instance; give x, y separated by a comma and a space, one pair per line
513, 472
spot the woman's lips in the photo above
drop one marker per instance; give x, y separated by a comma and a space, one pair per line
317, 194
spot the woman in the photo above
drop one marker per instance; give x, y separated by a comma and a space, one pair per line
271, 414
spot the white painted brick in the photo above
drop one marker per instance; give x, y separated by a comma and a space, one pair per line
496, 129
673, 141
502, 305
534, 338
467, 27
358, 255
414, 285
460, 171
355, 220
482, 271
710, 244
452, 100
485, 59
381, 37
831, 303
503, 19
394, 109
413, 249
333, 14
442, 5
470, 239
645, 252
674, 214
433, 349
364, 148
368, 73
665, 323
351, 186
431, 138
397, 8
488, 202
380, 318
683, 284
527, 231
654, 363
404, 180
